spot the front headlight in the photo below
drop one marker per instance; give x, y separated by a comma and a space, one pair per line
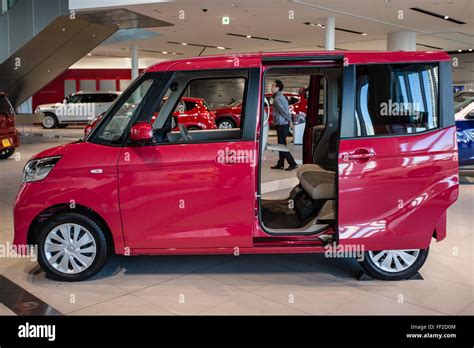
38, 169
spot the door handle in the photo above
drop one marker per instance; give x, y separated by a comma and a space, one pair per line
361, 155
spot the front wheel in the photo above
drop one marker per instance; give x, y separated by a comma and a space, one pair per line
50, 121
5, 153
394, 264
226, 123
71, 247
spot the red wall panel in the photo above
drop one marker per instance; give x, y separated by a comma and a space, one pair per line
53, 92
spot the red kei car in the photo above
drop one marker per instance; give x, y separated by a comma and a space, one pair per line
8, 133
193, 113
229, 116
374, 179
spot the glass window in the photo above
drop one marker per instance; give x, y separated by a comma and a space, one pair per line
462, 100
111, 131
201, 105
396, 99
74, 99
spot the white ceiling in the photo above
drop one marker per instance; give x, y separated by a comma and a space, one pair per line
270, 18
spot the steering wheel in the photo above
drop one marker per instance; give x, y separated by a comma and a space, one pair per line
184, 133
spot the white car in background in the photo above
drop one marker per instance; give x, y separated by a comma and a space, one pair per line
79, 107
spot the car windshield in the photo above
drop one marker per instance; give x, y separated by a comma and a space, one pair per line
462, 100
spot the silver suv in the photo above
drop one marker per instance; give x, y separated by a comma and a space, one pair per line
79, 107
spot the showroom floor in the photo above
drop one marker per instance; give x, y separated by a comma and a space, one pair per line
260, 284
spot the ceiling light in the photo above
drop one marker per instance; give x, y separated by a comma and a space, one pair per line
470, 50
258, 38
184, 43
220, 48
437, 15
89, 54
459, 50
164, 52
364, 34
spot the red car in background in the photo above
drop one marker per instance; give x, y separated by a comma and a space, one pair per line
193, 113
8, 134
229, 116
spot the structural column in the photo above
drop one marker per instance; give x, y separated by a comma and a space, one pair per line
330, 33
134, 62
401, 41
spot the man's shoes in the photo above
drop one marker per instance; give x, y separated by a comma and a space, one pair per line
290, 168
277, 167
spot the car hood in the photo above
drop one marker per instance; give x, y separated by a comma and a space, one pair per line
48, 106
55, 151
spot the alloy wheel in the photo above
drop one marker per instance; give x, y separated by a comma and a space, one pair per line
226, 125
70, 248
394, 260
48, 121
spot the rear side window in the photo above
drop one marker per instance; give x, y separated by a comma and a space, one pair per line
5, 107
396, 99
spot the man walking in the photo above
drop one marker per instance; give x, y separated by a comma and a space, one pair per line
281, 121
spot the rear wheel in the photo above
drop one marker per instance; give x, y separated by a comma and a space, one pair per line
71, 247
5, 153
225, 123
50, 121
394, 264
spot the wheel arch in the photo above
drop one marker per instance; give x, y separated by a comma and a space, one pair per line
55, 210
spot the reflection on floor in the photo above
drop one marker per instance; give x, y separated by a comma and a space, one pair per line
260, 284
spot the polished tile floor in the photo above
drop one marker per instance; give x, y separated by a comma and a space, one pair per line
259, 284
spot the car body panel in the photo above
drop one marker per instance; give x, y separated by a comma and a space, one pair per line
72, 183
177, 199
183, 197
395, 199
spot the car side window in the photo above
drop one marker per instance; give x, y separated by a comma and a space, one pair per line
112, 130
201, 108
394, 99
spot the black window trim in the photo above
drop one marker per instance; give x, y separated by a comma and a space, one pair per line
252, 76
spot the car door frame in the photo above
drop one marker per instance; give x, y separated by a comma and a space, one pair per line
245, 238
378, 241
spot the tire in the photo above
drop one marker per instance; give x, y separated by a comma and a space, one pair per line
50, 121
372, 263
89, 232
226, 123
5, 153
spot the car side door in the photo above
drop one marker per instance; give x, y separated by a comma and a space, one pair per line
194, 193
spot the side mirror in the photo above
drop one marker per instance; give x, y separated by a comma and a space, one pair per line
141, 132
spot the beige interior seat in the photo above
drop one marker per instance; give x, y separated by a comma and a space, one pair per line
311, 168
319, 184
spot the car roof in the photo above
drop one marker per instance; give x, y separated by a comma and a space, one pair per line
192, 99
249, 60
